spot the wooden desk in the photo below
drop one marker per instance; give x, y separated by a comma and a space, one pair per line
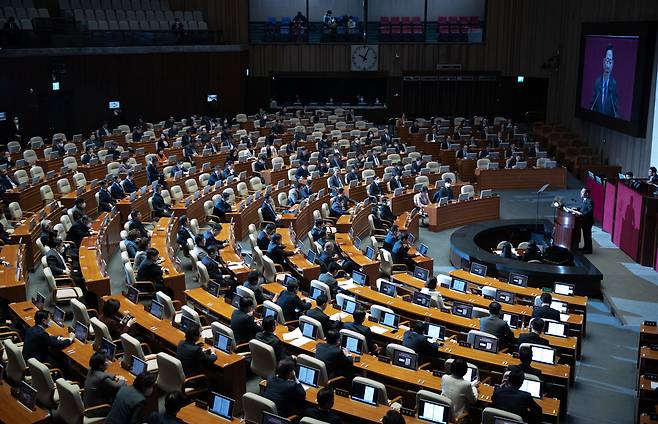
89, 195
14, 275
96, 250
12, 411
192, 414
456, 214
528, 178
367, 266
273, 177
164, 234
28, 230
125, 206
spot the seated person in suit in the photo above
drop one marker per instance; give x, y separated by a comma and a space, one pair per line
268, 337
79, 230
415, 339
534, 150
534, 335
545, 310
337, 360
318, 314
130, 400
259, 166
318, 229
284, 389
329, 278
114, 322
264, 235
375, 189
173, 403
242, 323
211, 261
276, 251
322, 412
267, 210
254, 279
525, 356
506, 251
105, 200
150, 270
416, 166
359, 317
222, 206
400, 252
183, 234
115, 189
334, 180
396, 182
56, 259
128, 183
160, 208
210, 236
509, 398
37, 343
290, 302
391, 238
215, 175
100, 387
461, 392
338, 206
294, 194
385, 212
352, 175
194, 359
302, 171
463, 153
135, 223
495, 325
445, 191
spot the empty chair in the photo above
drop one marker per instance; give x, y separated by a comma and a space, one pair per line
172, 378
263, 359
81, 313
435, 398
191, 186
21, 177
47, 194
132, 347
71, 410
468, 189
15, 367
79, 179
490, 414
70, 163
254, 405
382, 397
483, 163
42, 381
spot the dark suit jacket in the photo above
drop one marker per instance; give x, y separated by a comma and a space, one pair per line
244, 327
361, 329
150, 271
221, 208
183, 234
420, 345
546, 312
158, 203
193, 358
327, 323
152, 173
272, 340
268, 212
497, 327
288, 395
117, 191
213, 268
105, 201
139, 226
443, 192
292, 305
608, 105
100, 388
517, 402
37, 343
77, 232
127, 407
527, 369
263, 241
533, 338
394, 183
128, 186
334, 360
55, 263
375, 189
324, 416
276, 253
386, 214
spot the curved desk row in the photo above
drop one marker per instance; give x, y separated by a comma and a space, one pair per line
95, 250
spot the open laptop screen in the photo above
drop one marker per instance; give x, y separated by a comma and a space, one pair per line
487, 344
308, 375
352, 344
518, 279
478, 269
432, 412
421, 273
405, 359
364, 393
222, 406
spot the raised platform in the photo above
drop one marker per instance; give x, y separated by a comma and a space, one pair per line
475, 242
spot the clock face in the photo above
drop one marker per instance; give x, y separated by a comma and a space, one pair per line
364, 58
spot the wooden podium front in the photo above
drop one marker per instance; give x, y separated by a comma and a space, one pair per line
565, 230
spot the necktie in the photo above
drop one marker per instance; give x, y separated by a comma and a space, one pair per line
605, 91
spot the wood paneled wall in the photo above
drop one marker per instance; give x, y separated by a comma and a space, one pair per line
520, 36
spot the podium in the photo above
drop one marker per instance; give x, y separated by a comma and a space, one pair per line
566, 230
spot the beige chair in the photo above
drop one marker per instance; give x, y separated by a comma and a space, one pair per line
323, 376
42, 381
392, 347
131, 280
255, 184
483, 163
172, 378
63, 186
315, 323
271, 270
522, 246
81, 314
193, 315
282, 199
61, 293
377, 310
439, 399
191, 186
169, 311
367, 173
468, 189
113, 168
280, 318
204, 178
246, 292
15, 211
43, 249
386, 265
132, 347
21, 177
490, 414
71, 410
30, 157
323, 287
243, 191
101, 332
37, 171
433, 166
382, 398
65, 220
176, 193
219, 328
470, 338
254, 405
450, 175
70, 163
79, 179
358, 336
263, 359
15, 369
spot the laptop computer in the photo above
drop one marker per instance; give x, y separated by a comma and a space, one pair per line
27, 395
405, 359
370, 253
505, 297
222, 406
310, 256
39, 300
533, 387
518, 279
359, 278
545, 355
348, 306
186, 322
557, 329
478, 269
387, 288
512, 320
156, 309
421, 299
80, 330
132, 294
315, 292
137, 367
435, 332
307, 375
421, 273
364, 393
269, 418
390, 320
108, 348
422, 249
269, 312
352, 344
235, 300
58, 316
308, 330
214, 288
462, 309
458, 285
433, 412
487, 344
560, 306
223, 343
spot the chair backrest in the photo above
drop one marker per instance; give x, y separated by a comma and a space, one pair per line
490, 414
30, 156
282, 199
315, 323
263, 359
309, 361
16, 366
168, 310
170, 373
131, 347
269, 271
42, 248
203, 275
66, 222
423, 179
254, 405
246, 292
385, 262
190, 313
322, 286
392, 347
219, 328
176, 193
358, 336
242, 189
191, 186
80, 312
382, 398
468, 189
15, 211
433, 397
71, 408
255, 184
43, 382
63, 186
377, 310
470, 338
70, 162
280, 318
37, 171
450, 175
483, 163
100, 331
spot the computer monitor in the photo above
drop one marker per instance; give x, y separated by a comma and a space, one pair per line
518, 279
39, 300
421, 299
27, 395
478, 269
348, 306
462, 309
80, 330
533, 387
564, 289
435, 332
222, 342
370, 253
352, 344
58, 316
310, 256
485, 343
458, 285
432, 412
387, 288
308, 375
560, 306
511, 319
365, 393
132, 294
390, 320
138, 366
357, 243
287, 279
269, 418
214, 288
545, 355
553, 328
269, 312
505, 297
186, 322
235, 300
421, 273
108, 348
222, 406
359, 278
308, 330
156, 309
405, 359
